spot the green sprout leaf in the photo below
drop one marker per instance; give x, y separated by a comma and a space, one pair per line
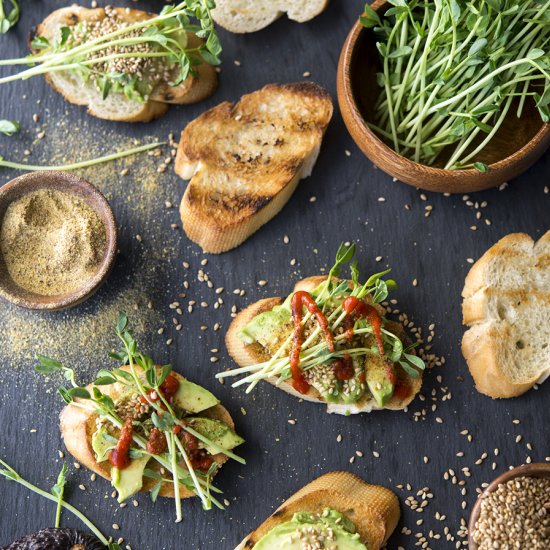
9, 127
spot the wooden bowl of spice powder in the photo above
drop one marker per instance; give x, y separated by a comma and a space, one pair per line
58, 240
513, 511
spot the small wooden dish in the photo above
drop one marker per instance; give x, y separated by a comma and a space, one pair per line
527, 470
517, 146
68, 183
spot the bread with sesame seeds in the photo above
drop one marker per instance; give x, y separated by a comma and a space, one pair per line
245, 160
243, 16
247, 354
373, 509
78, 426
507, 307
116, 106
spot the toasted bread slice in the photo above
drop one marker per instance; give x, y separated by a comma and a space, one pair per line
373, 509
249, 354
507, 305
78, 427
245, 159
242, 16
117, 106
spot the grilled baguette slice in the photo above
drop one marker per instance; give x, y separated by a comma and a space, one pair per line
117, 106
249, 354
78, 427
373, 509
507, 305
245, 159
242, 16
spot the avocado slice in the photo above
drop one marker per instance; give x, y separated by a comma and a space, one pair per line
101, 444
268, 328
129, 481
330, 526
217, 432
378, 380
194, 398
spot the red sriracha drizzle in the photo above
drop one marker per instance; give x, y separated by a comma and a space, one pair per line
358, 309
119, 457
168, 389
300, 300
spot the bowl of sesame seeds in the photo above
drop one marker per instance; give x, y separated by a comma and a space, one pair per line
513, 511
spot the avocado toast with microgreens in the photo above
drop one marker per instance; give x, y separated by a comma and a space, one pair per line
146, 427
328, 342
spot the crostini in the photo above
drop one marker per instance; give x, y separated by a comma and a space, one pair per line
507, 309
95, 67
328, 342
337, 510
139, 424
245, 160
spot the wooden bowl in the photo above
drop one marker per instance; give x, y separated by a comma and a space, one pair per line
516, 146
68, 183
527, 470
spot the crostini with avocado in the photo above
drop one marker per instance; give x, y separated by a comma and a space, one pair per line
126, 64
146, 428
337, 510
328, 342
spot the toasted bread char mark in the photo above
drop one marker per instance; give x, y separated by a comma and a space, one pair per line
373, 509
249, 354
507, 307
78, 427
245, 159
117, 107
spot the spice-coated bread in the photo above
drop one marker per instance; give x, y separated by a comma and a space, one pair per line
507, 307
245, 160
117, 106
250, 354
78, 427
373, 509
242, 16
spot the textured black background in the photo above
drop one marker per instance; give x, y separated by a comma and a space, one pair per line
283, 457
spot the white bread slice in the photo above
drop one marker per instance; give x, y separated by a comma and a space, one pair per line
242, 16
372, 508
507, 305
117, 106
249, 354
78, 427
245, 159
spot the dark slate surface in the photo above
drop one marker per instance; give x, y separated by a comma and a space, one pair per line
282, 457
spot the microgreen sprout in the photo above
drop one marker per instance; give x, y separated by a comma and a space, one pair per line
9, 127
56, 496
329, 298
81, 164
453, 71
141, 376
162, 38
10, 18
58, 490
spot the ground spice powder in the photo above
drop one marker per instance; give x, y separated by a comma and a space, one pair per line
51, 241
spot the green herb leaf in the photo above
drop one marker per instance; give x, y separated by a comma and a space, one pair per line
9, 127
481, 166
155, 491
9, 20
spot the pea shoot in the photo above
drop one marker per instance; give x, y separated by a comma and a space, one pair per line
453, 71
8, 19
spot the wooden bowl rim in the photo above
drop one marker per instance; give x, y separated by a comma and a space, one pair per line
470, 173
69, 183
540, 469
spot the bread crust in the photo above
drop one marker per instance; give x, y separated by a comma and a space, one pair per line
78, 427
372, 508
249, 354
237, 187
192, 90
484, 343
244, 18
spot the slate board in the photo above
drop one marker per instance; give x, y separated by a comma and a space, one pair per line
283, 457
